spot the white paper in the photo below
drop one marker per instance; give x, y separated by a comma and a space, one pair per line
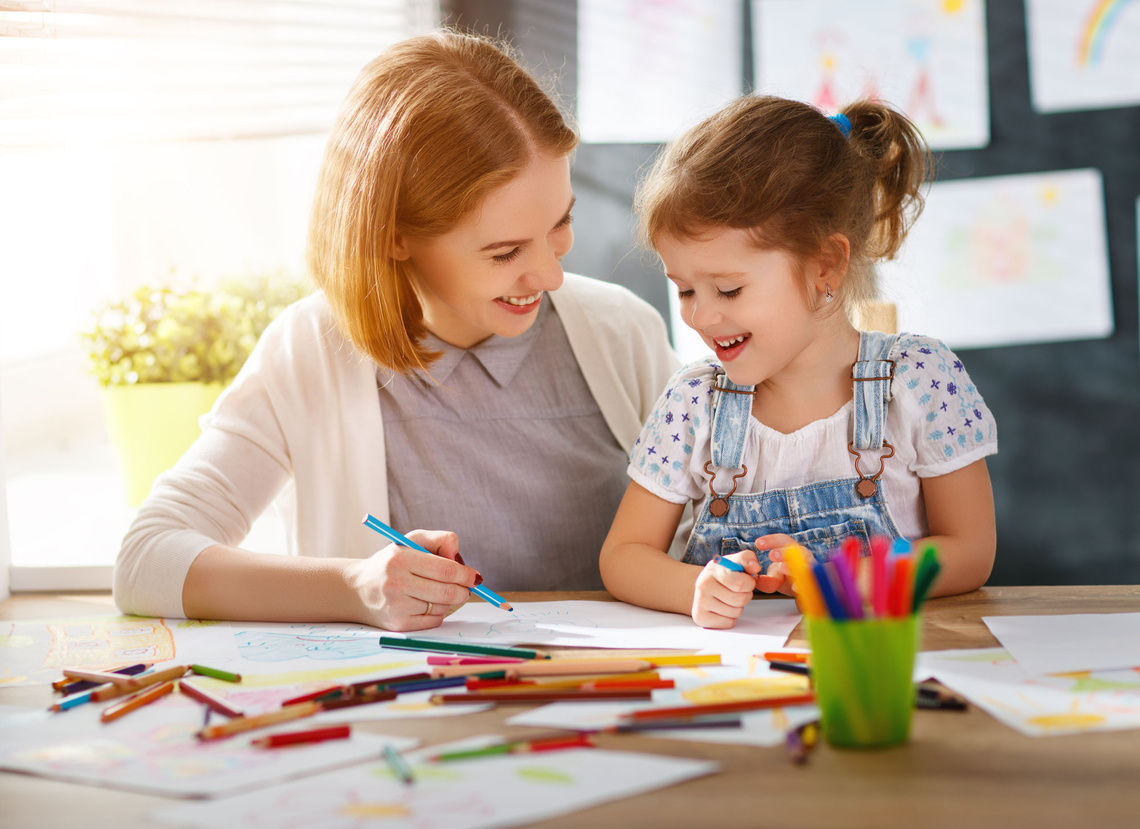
764, 625
925, 57
650, 69
1083, 54
1006, 260
35, 652
155, 750
487, 792
1038, 705
1075, 642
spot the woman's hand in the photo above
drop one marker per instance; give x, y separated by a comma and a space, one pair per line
402, 589
721, 595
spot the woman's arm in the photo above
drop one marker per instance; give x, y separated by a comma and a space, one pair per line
960, 516
394, 589
636, 568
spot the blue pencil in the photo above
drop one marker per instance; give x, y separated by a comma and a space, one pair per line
827, 590
729, 564
481, 590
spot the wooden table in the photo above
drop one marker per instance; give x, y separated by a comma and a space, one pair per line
958, 770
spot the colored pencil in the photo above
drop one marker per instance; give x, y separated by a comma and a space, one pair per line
940, 704
137, 683
684, 659
879, 576
835, 607
441, 659
97, 677
713, 721
440, 646
313, 735
847, 589
216, 673
729, 564
902, 587
719, 707
133, 703
481, 590
517, 747
77, 699
331, 691
431, 684
74, 686
542, 696
563, 667
928, 568
398, 765
852, 551
360, 699
218, 704
239, 724
806, 589
790, 668
440, 671
786, 656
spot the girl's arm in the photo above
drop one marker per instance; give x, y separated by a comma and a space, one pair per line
960, 515
636, 568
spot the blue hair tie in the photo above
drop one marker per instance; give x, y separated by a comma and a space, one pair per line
843, 122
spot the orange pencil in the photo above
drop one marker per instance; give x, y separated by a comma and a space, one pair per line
202, 695
719, 707
781, 656
902, 587
238, 724
113, 712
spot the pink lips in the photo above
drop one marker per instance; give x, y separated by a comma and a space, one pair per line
732, 352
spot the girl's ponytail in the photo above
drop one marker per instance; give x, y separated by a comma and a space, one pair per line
900, 164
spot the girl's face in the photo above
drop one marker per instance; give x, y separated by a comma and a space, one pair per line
488, 274
747, 304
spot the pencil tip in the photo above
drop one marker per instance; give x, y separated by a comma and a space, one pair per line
506, 606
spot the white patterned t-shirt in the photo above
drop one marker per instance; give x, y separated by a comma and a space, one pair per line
936, 420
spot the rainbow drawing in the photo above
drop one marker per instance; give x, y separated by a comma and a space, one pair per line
1096, 29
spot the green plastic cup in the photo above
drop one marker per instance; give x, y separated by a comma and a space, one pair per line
862, 672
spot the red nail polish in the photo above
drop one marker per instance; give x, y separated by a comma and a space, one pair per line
459, 558
478, 577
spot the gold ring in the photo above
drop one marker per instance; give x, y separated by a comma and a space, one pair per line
428, 611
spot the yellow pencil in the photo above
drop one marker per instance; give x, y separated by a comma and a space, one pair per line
238, 724
804, 582
113, 712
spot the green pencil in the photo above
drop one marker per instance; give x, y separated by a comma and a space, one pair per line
455, 647
216, 673
398, 764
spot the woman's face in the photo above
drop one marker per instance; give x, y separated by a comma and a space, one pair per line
488, 274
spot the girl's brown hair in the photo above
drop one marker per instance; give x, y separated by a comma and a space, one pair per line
427, 131
784, 171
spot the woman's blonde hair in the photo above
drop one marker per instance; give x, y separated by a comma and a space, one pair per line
785, 172
427, 131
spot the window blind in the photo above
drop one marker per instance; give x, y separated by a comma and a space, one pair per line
89, 71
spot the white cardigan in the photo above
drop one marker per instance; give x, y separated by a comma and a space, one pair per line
301, 425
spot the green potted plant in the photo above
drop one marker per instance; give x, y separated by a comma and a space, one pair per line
164, 354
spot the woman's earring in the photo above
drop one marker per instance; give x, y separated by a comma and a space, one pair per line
827, 297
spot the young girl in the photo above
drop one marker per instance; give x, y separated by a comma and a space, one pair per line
435, 380
768, 218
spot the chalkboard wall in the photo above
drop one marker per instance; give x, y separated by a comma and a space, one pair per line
1067, 475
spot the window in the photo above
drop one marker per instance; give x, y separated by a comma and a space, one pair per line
143, 141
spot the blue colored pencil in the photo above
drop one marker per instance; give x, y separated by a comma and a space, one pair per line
827, 590
729, 564
481, 590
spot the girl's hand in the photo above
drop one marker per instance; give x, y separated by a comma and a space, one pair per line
402, 589
721, 594
776, 580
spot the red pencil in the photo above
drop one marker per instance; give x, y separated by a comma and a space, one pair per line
313, 735
202, 695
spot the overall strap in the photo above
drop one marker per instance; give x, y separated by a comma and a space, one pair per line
732, 406
872, 376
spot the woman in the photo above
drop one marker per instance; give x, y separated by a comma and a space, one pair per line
434, 380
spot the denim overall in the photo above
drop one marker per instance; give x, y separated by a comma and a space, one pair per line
817, 516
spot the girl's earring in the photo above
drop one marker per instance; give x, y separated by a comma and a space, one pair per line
827, 297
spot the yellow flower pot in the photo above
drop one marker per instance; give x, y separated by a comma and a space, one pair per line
151, 425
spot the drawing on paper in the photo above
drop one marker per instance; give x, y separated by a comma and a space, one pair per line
525, 624
1094, 35
311, 641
